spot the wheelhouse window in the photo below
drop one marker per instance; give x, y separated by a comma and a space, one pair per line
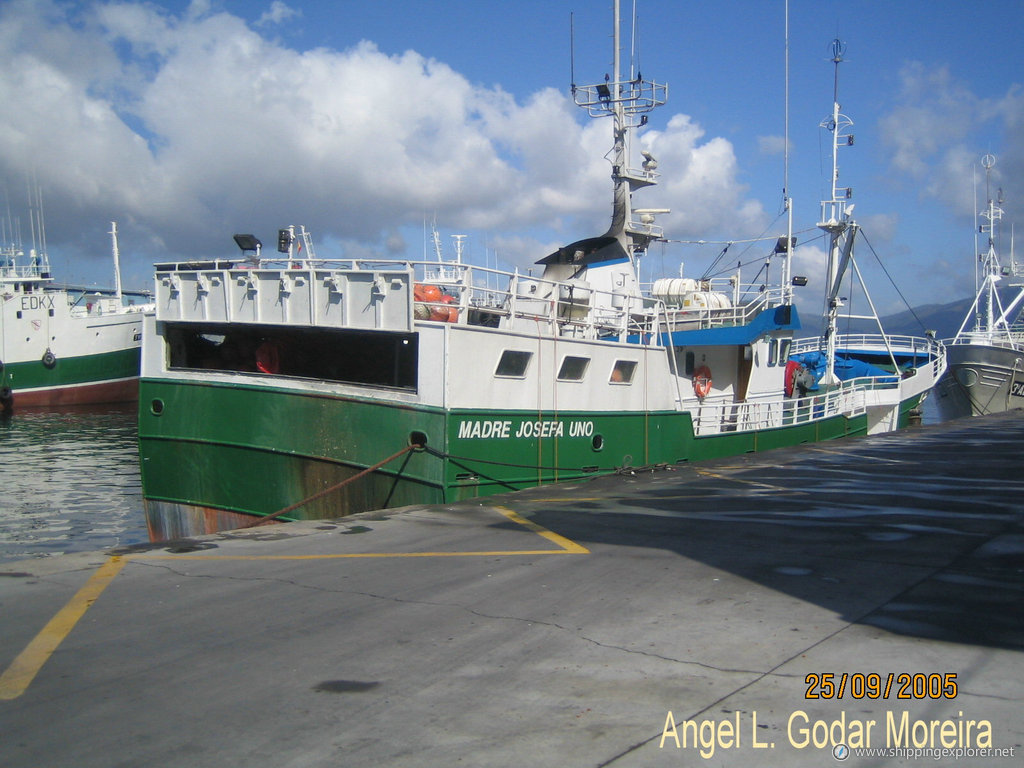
573, 368
623, 372
785, 345
513, 364
773, 352
374, 358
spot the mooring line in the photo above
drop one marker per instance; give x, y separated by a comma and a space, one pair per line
332, 489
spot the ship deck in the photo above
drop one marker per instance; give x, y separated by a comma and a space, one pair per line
556, 626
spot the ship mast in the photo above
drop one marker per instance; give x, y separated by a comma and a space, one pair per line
117, 259
993, 268
627, 102
787, 263
990, 260
991, 321
836, 220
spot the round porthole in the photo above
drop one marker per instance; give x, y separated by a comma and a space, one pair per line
967, 376
597, 442
418, 438
156, 407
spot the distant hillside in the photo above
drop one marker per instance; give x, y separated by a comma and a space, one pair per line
944, 319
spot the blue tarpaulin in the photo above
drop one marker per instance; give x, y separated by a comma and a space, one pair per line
846, 368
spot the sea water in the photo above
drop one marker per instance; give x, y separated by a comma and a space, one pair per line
69, 481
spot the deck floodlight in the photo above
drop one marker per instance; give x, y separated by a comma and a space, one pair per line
780, 245
248, 243
284, 240
799, 280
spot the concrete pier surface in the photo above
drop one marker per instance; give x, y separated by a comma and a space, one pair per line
858, 601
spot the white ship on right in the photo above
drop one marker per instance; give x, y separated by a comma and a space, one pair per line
985, 371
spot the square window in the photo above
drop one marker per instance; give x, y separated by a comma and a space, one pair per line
623, 372
513, 363
573, 368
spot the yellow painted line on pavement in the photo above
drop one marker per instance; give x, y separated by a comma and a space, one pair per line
564, 543
856, 454
564, 499
740, 480
198, 556
566, 546
17, 677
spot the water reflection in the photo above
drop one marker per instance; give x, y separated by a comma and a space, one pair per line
70, 481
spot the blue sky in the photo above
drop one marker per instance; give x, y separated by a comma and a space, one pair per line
189, 122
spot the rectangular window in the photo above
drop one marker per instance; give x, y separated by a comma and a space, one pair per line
784, 346
623, 372
573, 368
773, 352
513, 364
374, 358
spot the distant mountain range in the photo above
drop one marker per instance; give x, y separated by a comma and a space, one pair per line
943, 319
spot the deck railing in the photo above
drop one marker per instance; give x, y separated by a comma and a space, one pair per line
273, 289
1015, 341
913, 346
715, 417
572, 309
872, 341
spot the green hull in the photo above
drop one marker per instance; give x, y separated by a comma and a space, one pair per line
87, 369
108, 376
214, 449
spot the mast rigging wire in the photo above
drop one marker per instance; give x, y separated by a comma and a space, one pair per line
893, 282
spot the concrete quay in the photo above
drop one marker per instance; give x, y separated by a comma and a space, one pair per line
793, 608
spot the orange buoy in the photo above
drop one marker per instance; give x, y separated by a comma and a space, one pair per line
426, 296
447, 312
426, 292
268, 359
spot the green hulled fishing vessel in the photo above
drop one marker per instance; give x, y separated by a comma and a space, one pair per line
61, 345
315, 388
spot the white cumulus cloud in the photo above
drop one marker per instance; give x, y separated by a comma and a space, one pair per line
187, 128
